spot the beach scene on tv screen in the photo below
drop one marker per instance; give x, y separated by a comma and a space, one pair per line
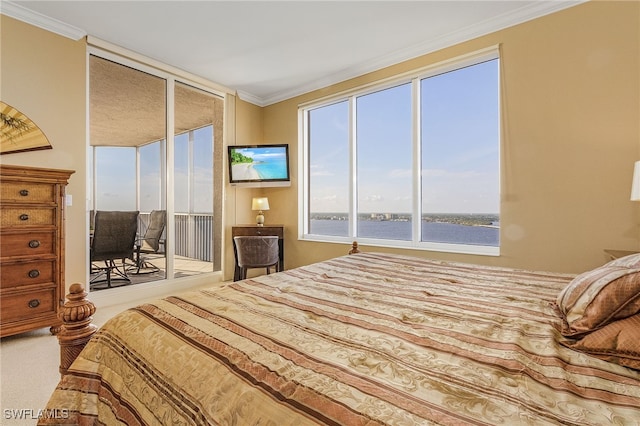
258, 163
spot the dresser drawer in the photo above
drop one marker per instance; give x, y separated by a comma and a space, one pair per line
16, 274
17, 217
27, 192
31, 247
27, 244
31, 304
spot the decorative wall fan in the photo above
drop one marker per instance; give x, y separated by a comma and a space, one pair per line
18, 133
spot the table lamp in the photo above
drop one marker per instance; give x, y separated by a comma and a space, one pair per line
635, 184
260, 204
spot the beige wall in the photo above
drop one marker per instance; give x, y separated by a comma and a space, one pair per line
247, 131
43, 76
571, 133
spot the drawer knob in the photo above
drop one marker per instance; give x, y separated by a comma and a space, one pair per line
34, 273
34, 243
34, 303
24, 192
24, 216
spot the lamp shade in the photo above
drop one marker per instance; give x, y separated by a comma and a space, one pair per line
635, 185
260, 203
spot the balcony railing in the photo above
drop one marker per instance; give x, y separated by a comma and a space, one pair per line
194, 234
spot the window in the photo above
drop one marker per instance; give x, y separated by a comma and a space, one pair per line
329, 169
383, 163
115, 169
414, 162
460, 156
193, 192
151, 176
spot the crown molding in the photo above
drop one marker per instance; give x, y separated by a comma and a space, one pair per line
23, 14
251, 98
506, 20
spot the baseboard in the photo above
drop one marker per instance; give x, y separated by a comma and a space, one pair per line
154, 289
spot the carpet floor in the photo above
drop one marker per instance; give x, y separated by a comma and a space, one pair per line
29, 370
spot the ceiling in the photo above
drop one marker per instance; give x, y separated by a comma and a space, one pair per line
268, 51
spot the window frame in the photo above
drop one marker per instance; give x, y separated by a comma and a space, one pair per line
413, 77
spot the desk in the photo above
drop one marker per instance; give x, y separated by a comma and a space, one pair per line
255, 230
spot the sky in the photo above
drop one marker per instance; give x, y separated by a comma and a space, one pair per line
460, 150
116, 175
459, 164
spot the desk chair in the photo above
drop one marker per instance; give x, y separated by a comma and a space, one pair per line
114, 234
256, 252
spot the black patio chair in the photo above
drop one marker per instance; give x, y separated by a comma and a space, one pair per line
150, 243
114, 235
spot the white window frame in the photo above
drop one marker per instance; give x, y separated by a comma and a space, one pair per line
414, 77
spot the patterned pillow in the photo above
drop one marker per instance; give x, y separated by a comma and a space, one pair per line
630, 261
597, 297
617, 342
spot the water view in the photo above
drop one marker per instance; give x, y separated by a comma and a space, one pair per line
474, 229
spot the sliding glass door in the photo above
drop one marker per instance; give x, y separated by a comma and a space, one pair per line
140, 163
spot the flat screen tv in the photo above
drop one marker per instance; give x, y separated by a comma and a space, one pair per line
259, 165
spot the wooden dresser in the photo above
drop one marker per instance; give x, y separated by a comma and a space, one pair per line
32, 288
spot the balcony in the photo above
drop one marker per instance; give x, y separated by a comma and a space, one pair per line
193, 244
193, 248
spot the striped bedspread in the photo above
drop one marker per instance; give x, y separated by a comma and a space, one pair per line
366, 339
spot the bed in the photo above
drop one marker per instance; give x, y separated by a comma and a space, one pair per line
370, 339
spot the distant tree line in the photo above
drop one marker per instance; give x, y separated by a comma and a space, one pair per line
473, 219
470, 219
